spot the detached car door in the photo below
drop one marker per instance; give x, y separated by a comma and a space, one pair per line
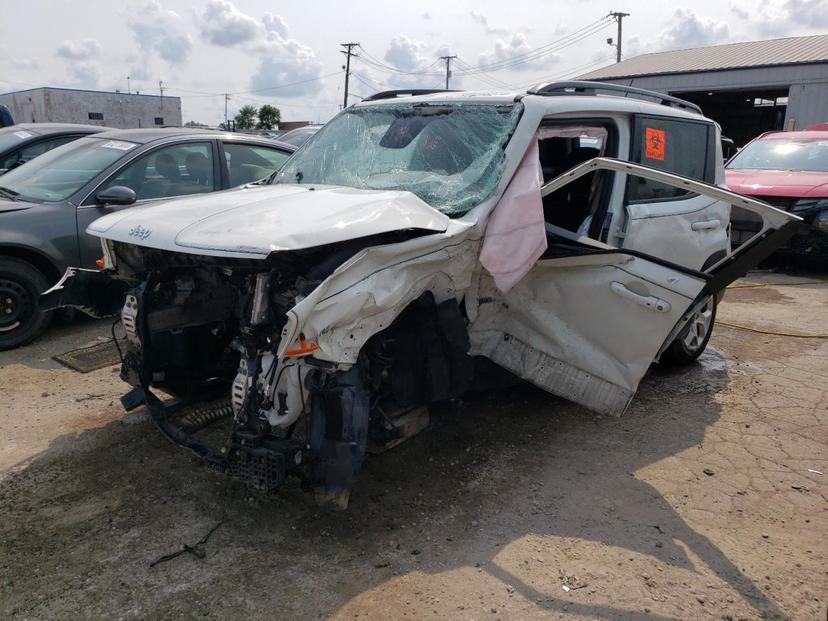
588, 319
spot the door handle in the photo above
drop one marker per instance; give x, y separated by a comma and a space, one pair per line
647, 301
706, 225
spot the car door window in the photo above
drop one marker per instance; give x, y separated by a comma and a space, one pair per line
173, 170
562, 147
672, 145
248, 163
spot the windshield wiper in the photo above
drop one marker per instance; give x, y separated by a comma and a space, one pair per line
9, 193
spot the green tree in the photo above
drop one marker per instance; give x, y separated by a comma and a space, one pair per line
246, 118
269, 117
194, 124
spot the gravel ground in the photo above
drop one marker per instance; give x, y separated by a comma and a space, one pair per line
702, 502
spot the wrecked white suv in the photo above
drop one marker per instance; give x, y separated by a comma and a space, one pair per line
572, 234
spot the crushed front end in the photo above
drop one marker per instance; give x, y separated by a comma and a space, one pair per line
207, 330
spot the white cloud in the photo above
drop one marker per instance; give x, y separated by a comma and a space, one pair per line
782, 18
285, 62
26, 64
426, 16
407, 54
85, 74
286, 67
481, 19
160, 31
513, 49
687, 29
274, 25
415, 60
225, 25
83, 49
810, 13
82, 67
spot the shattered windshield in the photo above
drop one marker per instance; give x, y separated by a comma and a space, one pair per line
450, 155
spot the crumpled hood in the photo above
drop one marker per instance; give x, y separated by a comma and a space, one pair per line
787, 183
258, 220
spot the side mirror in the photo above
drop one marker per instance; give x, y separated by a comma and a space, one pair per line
116, 195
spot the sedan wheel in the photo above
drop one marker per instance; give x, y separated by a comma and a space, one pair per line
20, 319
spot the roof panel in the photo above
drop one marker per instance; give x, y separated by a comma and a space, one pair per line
793, 50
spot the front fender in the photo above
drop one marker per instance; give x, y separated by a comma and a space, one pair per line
366, 294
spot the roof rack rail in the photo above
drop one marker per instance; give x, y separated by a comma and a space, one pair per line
583, 87
413, 92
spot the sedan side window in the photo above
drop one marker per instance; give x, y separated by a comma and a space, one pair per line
175, 170
248, 163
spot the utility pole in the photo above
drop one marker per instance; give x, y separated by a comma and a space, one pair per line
618, 18
348, 54
129, 92
448, 60
161, 88
226, 99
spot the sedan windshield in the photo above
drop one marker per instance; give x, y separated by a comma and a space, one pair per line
783, 154
450, 155
59, 173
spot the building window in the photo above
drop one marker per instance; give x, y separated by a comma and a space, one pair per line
159, 120
96, 116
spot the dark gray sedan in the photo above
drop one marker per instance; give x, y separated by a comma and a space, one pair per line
24, 142
47, 203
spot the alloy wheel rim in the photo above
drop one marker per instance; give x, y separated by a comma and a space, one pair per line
16, 305
699, 326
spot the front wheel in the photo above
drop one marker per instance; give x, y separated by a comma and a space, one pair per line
20, 319
693, 338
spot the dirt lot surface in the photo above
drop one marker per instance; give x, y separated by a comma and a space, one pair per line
704, 501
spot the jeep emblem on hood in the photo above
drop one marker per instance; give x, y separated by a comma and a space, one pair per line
140, 232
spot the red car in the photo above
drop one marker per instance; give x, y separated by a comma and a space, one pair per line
789, 170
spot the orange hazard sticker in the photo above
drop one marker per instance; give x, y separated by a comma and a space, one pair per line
654, 141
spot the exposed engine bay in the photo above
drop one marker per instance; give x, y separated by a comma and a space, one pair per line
199, 329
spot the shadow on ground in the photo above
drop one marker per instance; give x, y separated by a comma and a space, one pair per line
80, 523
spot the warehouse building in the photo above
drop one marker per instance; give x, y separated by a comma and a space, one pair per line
748, 88
65, 105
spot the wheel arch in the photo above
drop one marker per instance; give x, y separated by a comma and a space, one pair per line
31, 256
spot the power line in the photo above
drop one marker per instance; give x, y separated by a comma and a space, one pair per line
467, 70
378, 64
574, 71
547, 49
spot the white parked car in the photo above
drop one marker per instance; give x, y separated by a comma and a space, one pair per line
573, 234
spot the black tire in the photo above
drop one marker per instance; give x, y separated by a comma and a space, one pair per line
20, 319
686, 348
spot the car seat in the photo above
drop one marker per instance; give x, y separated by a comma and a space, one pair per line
569, 206
168, 184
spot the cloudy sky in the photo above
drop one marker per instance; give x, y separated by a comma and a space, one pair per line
288, 53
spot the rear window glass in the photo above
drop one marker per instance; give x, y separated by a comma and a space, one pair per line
680, 147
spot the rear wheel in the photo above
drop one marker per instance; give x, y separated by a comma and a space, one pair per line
20, 319
693, 338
